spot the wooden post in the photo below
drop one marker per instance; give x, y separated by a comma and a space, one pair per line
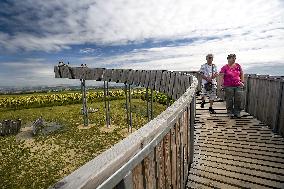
185, 141
192, 119
167, 158
149, 172
1, 128
130, 114
126, 104
247, 92
19, 123
182, 182
147, 99
178, 153
152, 104
173, 157
106, 102
108, 106
279, 106
168, 101
84, 101
6, 127
13, 127
9, 126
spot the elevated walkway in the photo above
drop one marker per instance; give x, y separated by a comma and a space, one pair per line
235, 153
220, 152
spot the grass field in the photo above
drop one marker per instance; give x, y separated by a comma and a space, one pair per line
38, 162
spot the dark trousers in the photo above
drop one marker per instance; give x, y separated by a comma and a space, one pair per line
233, 96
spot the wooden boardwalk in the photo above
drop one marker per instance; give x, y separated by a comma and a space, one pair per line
235, 153
228, 153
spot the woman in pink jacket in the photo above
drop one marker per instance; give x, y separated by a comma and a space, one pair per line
233, 83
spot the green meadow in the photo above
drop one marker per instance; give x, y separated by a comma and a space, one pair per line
39, 161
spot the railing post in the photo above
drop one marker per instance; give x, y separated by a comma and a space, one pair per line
147, 99
152, 104
279, 106
192, 120
84, 99
247, 93
168, 101
106, 103
126, 104
130, 113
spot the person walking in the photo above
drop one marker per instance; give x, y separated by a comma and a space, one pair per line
232, 78
209, 73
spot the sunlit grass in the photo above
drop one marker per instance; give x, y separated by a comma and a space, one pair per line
43, 160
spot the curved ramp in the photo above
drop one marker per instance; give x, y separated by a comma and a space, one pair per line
235, 153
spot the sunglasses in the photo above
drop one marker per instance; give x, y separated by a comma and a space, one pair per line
210, 57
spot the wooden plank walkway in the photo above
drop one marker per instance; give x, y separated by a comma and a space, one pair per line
235, 153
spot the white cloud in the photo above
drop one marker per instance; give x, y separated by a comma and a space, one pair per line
254, 30
250, 52
121, 21
87, 50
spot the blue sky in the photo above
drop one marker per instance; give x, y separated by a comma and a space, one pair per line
152, 34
